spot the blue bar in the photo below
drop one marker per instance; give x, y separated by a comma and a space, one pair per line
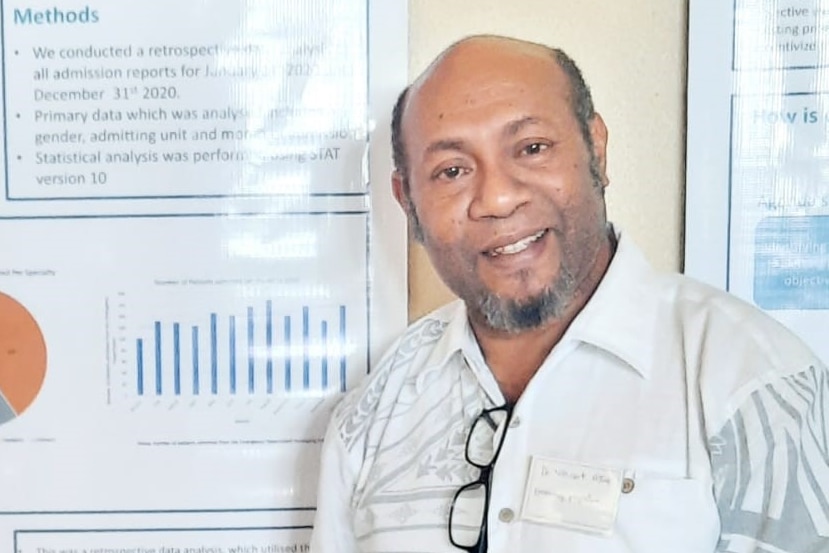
214, 358
324, 333
158, 358
232, 346
251, 364
269, 346
306, 360
139, 364
195, 360
176, 360
287, 353
342, 348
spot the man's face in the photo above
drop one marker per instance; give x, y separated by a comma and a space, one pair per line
500, 182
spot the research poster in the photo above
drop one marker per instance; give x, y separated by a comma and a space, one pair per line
758, 156
199, 255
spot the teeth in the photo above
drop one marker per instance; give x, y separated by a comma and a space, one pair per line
519, 246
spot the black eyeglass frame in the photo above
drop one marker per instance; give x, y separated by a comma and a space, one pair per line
484, 476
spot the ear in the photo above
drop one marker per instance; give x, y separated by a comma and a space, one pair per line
401, 194
398, 187
598, 132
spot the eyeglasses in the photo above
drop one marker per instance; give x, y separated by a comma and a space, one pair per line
468, 513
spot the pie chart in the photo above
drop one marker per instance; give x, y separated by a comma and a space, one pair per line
22, 358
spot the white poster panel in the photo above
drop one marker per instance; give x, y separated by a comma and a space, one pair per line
199, 255
758, 156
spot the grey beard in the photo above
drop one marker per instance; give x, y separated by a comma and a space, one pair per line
513, 316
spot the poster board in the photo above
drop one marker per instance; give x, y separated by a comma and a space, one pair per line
758, 156
199, 254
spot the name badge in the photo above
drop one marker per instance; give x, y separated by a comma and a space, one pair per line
572, 495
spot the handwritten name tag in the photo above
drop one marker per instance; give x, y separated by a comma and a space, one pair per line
572, 495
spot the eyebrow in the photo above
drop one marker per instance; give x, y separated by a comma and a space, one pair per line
514, 127
457, 145
444, 145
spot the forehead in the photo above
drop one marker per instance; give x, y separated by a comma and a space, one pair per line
488, 79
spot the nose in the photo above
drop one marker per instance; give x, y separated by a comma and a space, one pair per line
498, 193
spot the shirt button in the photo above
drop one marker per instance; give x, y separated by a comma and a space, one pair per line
627, 485
506, 515
515, 422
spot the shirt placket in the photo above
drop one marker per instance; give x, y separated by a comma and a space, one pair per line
510, 474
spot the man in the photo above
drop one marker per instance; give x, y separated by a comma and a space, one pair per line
573, 399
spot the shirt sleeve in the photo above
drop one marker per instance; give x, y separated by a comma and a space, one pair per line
770, 464
333, 525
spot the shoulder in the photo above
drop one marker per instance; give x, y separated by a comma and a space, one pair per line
727, 325
735, 349
715, 333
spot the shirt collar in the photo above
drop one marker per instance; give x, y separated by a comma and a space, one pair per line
457, 335
622, 314
620, 317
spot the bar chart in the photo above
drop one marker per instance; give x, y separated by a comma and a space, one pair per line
320, 349
260, 348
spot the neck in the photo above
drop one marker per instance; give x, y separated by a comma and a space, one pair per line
515, 357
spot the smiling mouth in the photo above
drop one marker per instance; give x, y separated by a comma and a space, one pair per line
516, 247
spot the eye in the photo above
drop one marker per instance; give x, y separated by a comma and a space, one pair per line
534, 149
450, 173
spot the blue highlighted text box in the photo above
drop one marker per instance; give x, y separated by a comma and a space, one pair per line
791, 263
